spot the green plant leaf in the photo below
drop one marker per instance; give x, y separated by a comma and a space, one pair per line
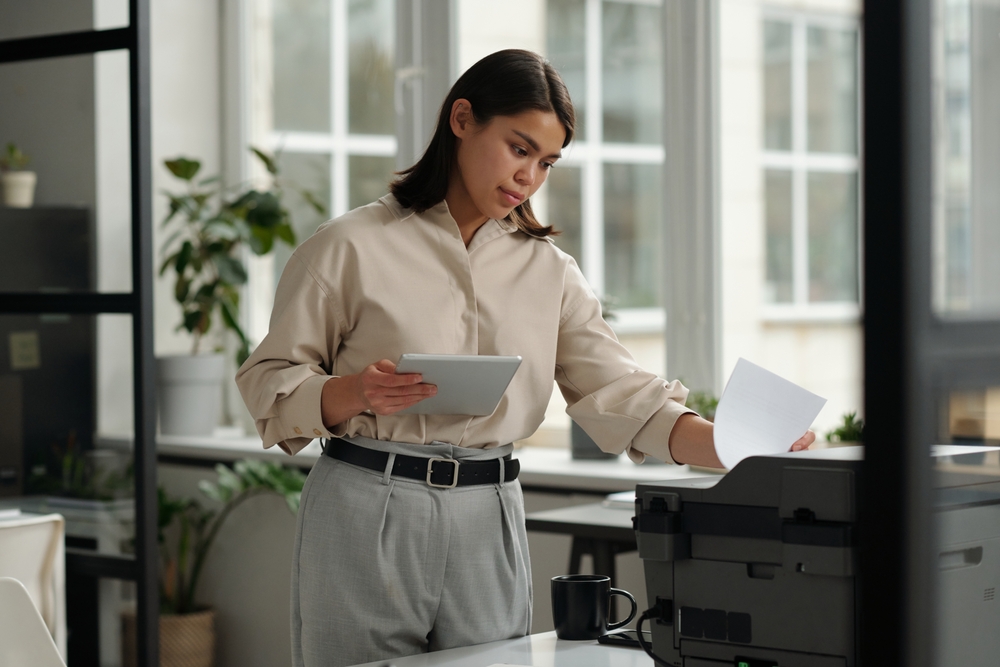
230, 270
269, 162
181, 288
167, 263
313, 201
183, 257
261, 240
209, 180
183, 168
285, 232
223, 229
193, 321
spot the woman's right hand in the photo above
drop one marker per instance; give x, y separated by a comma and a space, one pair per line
383, 392
377, 389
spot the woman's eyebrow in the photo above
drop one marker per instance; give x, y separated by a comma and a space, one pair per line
534, 144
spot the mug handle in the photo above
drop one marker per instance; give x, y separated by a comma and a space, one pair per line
635, 607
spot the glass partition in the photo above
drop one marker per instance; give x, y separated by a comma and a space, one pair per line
66, 206
967, 158
966, 522
46, 17
66, 447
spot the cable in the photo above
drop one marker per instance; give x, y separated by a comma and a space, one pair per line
651, 613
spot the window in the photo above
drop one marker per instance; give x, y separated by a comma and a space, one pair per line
810, 165
605, 193
332, 114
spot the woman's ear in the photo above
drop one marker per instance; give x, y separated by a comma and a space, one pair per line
461, 119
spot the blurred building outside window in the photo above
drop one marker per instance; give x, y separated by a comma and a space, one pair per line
810, 162
323, 102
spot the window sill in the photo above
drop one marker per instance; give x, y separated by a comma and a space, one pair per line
830, 313
633, 321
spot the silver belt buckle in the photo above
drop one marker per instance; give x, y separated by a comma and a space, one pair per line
454, 475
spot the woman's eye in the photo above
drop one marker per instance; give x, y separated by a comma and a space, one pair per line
548, 165
520, 151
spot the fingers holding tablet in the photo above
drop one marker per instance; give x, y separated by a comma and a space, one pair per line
385, 392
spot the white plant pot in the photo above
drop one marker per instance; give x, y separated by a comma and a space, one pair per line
19, 188
190, 393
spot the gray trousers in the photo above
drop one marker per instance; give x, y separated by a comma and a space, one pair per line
386, 567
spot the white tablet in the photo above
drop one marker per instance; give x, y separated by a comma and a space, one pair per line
466, 384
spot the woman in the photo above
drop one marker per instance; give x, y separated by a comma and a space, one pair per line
452, 262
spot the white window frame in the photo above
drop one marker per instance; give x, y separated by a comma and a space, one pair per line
339, 143
590, 156
800, 162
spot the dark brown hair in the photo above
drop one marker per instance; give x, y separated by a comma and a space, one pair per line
504, 83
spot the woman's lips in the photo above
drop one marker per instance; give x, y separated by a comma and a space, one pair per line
514, 198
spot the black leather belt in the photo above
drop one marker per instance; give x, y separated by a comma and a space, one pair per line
438, 472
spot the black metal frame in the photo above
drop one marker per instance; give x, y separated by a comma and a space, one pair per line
143, 569
912, 356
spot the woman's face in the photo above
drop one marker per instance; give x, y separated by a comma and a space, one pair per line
505, 161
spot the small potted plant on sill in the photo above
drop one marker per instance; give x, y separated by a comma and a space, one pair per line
209, 229
187, 531
849, 432
18, 182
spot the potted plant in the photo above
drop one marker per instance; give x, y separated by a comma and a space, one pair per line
849, 432
187, 531
18, 183
208, 231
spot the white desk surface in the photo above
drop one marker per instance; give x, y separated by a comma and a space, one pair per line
542, 650
546, 467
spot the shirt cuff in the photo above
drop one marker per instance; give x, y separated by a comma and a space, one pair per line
300, 413
653, 438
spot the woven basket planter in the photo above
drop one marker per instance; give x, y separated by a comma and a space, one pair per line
186, 640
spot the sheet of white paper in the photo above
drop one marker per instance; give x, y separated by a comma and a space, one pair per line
761, 413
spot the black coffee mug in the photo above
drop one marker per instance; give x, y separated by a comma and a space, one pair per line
580, 605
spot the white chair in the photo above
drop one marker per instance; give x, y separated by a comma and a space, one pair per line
32, 552
24, 638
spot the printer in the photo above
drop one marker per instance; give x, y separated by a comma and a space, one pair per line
758, 568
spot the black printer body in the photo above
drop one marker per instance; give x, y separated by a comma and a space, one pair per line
758, 568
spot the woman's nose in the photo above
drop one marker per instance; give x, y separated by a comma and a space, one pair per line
526, 175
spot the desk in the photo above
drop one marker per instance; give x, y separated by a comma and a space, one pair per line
602, 532
541, 650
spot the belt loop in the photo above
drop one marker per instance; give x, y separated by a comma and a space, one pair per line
388, 468
502, 472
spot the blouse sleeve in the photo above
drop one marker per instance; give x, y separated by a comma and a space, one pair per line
282, 381
619, 405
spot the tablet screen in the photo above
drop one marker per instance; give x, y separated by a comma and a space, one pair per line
467, 384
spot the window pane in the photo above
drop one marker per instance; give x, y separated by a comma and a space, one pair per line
301, 31
777, 85
832, 90
369, 178
566, 42
633, 253
631, 72
312, 172
967, 153
565, 213
372, 67
778, 221
833, 237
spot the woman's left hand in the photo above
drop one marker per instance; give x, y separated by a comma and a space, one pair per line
803, 442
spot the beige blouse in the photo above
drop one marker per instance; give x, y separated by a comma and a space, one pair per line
382, 280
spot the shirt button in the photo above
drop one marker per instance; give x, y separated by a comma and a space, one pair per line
317, 431
297, 430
